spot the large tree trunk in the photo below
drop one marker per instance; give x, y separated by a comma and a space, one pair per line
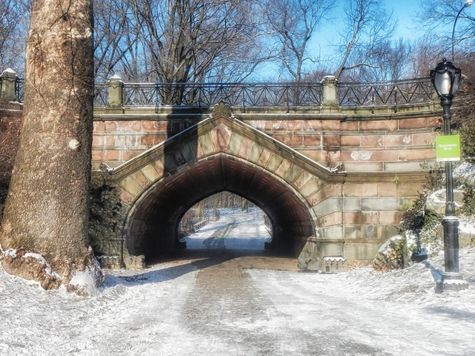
46, 211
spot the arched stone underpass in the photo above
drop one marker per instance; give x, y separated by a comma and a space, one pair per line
335, 213
152, 226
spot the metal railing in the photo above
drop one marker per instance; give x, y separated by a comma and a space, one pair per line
100, 95
411, 91
20, 89
397, 93
208, 94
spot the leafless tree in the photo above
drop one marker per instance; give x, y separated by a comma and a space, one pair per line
198, 40
46, 211
387, 62
367, 29
292, 23
195, 41
14, 16
116, 33
423, 57
166, 40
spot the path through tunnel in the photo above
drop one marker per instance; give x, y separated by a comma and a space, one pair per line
225, 221
152, 226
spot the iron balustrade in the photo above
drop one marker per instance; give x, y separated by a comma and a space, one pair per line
208, 94
396, 93
401, 92
100, 95
19, 89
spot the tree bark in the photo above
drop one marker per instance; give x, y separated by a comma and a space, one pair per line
47, 205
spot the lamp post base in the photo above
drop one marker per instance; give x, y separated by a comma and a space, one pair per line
451, 281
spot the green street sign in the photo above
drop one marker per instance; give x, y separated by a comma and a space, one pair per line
447, 148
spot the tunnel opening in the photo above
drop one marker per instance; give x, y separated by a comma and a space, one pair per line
153, 225
225, 221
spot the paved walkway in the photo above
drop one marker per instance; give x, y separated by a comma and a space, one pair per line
225, 306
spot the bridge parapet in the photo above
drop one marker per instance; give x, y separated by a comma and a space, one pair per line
328, 93
284, 95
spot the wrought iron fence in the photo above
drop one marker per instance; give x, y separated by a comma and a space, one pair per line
235, 94
412, 91
20, 89
100, 95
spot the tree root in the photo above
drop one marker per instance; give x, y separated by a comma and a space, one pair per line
81, 277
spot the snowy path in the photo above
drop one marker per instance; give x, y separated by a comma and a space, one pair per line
227, 305
233, 230
224, 304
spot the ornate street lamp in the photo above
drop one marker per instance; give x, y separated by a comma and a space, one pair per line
446, 78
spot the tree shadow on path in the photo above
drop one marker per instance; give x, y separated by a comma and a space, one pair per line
162, 275
196, 260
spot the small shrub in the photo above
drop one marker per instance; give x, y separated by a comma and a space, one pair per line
414, 218
392, 255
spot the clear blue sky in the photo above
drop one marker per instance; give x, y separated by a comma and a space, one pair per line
405, 12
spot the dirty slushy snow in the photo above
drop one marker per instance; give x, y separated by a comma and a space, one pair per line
221, 306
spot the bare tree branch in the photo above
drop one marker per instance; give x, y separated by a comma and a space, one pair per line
292, 23
367, 28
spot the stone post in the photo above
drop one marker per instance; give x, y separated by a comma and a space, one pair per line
329, 95
8, 92
116, 92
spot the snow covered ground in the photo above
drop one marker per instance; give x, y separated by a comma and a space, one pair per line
227, 305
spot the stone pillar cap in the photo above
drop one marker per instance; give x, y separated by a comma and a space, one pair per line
328, 77
8, 72
116, 78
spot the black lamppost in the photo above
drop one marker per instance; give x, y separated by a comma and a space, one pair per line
446, 78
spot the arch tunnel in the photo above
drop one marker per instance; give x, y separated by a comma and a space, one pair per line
152, 224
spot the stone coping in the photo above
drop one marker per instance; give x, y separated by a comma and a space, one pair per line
331, 113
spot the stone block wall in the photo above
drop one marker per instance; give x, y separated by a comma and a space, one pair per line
367, 144
358, 215
353, 211
121, 135
117, 141
350, 143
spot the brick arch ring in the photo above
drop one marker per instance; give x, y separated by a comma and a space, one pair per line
151, 226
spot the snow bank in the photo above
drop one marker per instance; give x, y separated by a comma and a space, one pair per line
87, 282
466, 171
467, 225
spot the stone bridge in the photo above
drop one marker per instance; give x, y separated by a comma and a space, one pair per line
334, 179
334, 174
